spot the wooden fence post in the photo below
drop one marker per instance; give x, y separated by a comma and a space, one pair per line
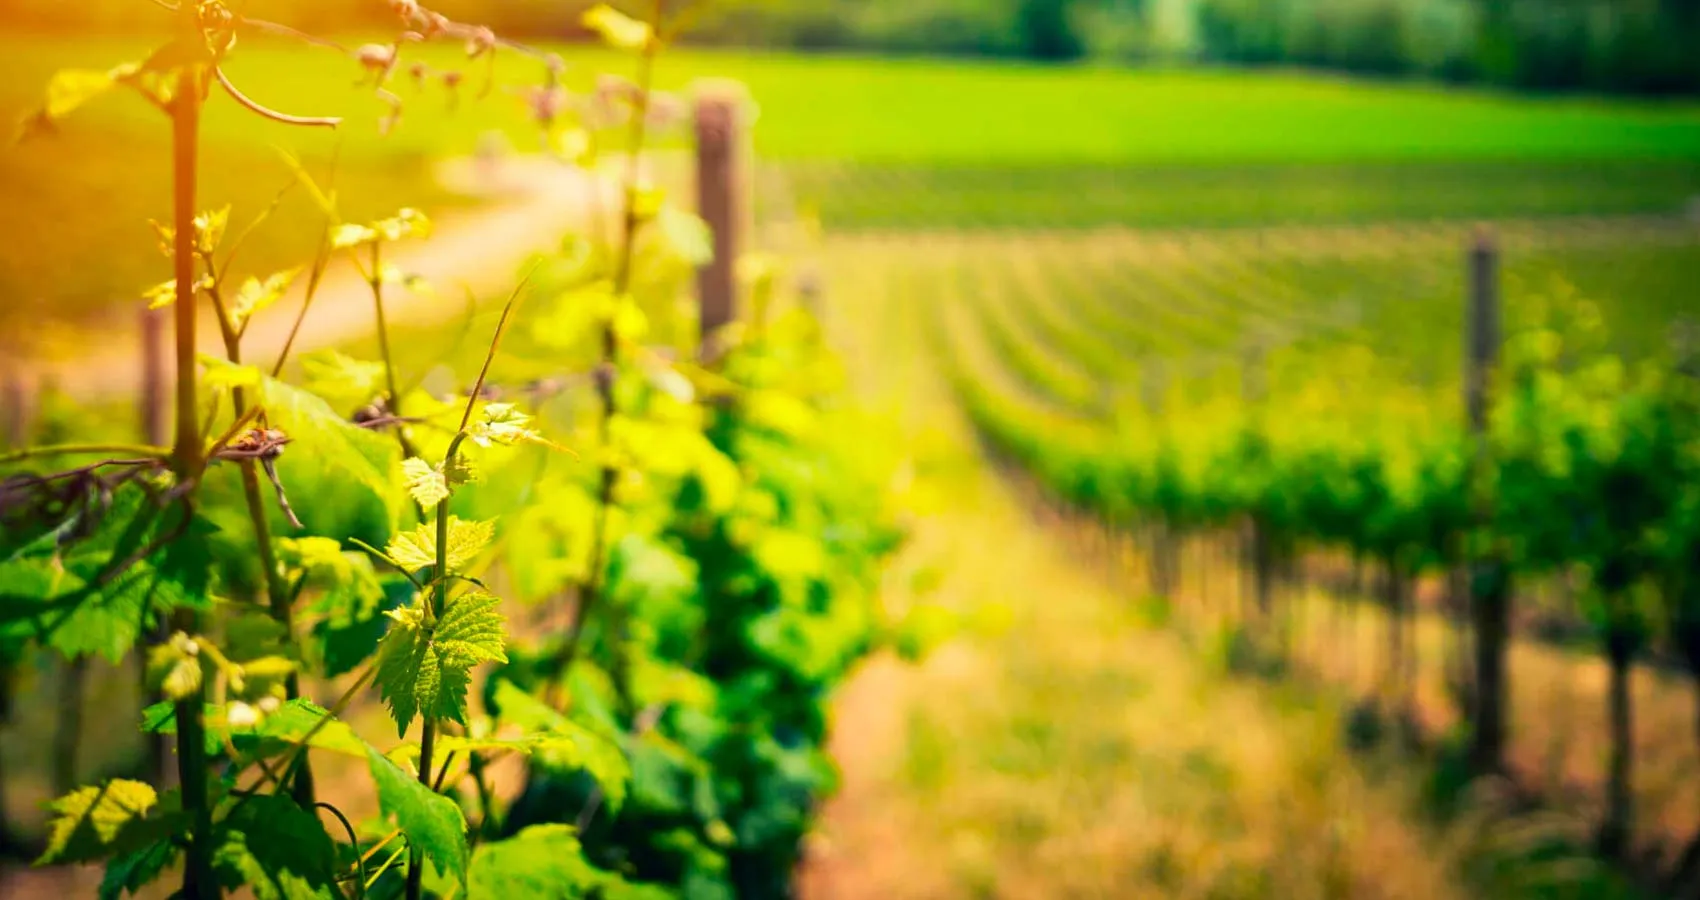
722, 197
17, 408
154, 418
1163, 575
1257, 559
154, 401
1490, 589
17, 423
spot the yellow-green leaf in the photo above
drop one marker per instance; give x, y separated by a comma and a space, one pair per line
502, 423
93, 822
431, 822
222, 375
256, 295
406, 223
342, 379
617, 28
163, 295
417, 549
174, 667
688, 236
426, 484
647, 200
209, 229
629, 322
344, 236
71, 88
426, 671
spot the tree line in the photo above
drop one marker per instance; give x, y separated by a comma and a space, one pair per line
1614, 46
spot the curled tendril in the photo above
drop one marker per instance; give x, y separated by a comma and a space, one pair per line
267, 112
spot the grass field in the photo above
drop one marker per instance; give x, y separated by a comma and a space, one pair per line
866, 142
1216, 193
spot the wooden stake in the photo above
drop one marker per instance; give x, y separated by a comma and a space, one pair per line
722, 197
1490, 590
154, 411
18, 404
154, 402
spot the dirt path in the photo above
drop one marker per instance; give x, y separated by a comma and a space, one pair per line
533, 202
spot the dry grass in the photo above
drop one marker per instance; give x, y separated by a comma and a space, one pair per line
1559, 726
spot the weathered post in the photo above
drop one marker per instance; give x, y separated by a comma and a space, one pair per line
1154, 387
1258, 550
17, 408
154, 420
722, 197
154, 402
1490, 588
17, 422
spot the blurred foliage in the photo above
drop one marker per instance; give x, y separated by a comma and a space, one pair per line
1631, 46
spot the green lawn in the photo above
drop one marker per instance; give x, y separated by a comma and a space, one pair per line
869, 142
958, 112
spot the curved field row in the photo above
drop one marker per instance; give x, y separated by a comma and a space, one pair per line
1186, 306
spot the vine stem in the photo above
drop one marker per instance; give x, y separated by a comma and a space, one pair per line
85, 450
440, 590
186, 457
439, 602
593, 587
278, 596
375, 279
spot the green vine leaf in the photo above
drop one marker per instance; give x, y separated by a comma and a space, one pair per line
431, 822
60, 589
471, 631
109, 622
130, 871
95, 822
273, 732
342, 379
326, 457
417, 549
276, 850
540, 861
425, 671
563, 743
407, 670
347, 615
